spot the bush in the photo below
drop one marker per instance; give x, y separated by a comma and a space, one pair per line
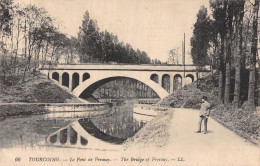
244, 121
193, 103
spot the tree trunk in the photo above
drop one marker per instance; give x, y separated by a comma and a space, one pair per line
17, 41
221, 71
238, 60
243, 58
258, 78
251, 88
71, 56
50, 62
25, 40
227, 84
42, 59
236, 101
37, 55
258, 86
228, 55
45, 55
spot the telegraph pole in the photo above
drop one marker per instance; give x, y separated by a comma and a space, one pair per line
183, 55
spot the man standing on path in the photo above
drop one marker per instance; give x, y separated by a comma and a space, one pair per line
204, 114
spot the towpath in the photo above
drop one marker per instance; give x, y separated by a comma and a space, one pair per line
219, 147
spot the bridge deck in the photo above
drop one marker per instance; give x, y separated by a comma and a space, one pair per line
131, 67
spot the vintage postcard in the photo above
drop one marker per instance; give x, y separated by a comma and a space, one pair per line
129, 82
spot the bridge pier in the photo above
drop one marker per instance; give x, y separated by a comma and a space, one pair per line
68, 136
171, 84
78, 140
80, 78
60, 78
160, 80
58, 137
70, 81
183, 81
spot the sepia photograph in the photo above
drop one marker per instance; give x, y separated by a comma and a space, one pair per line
129, 82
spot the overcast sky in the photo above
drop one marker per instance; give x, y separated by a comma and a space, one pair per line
153, 26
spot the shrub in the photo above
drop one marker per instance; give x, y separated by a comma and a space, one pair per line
193, 103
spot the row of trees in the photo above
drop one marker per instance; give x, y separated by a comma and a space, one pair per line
96, 46
227, 40
29, 38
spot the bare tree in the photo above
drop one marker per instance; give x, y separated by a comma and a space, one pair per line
252, 83
239, 14
174, 56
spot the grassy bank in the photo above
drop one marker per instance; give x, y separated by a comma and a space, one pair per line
244, 121
153, 134
36, 88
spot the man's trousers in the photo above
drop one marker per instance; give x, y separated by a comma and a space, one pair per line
205, 123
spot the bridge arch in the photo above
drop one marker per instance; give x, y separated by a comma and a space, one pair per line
177, 82
190, 76
85, 76
166, 82
75, 80
65, 79
97, 80
55, 76
154, 77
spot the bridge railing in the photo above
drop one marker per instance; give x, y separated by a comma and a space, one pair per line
136, 67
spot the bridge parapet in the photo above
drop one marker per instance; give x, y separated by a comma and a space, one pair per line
130, 67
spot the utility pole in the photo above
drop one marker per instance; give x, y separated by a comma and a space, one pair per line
182, 51
183, 55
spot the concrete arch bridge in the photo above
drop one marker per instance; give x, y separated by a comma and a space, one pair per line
86, 78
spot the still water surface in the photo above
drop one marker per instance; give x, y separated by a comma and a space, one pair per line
117, 121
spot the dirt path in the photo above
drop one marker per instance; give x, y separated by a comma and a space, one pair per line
219, 147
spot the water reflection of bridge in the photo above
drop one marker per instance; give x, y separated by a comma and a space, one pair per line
104, 132
86, 78
83, 134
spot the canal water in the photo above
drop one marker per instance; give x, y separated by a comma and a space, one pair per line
26, 132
